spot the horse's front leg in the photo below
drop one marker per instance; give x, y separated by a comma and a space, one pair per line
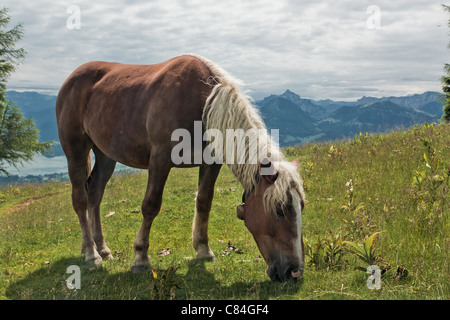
207, 179
151, 205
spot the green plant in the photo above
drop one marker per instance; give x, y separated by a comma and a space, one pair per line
366, 253
333, 152
325, 252
431, 186
13, 192
334, 249
315, 252
360, 138
164, 283
289, 151
308, 169
357, 222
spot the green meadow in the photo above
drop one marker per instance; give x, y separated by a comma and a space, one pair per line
373, 200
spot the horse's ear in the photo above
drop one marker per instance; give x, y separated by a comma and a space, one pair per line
268, 171
295, 162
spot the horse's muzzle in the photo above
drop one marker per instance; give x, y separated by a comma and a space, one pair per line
280, 273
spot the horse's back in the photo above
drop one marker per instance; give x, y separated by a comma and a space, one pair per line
137, 106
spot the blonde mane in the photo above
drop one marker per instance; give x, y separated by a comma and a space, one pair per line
227, 107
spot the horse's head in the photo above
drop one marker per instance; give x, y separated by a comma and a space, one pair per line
272, 212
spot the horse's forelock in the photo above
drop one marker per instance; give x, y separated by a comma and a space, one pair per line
277, 195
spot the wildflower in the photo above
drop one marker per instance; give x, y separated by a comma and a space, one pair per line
349, 186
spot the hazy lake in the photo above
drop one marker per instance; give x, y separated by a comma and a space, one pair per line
42, 165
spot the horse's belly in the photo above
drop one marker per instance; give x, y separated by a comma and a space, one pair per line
122, 148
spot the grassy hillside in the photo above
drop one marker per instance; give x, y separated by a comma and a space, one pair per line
392, 189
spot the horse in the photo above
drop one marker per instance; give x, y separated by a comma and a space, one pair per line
127, 113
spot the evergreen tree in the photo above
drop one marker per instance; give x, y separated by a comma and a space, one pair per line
446, 82
19, 137
446, 88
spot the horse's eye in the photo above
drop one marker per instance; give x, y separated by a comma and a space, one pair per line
280, 212
285, 210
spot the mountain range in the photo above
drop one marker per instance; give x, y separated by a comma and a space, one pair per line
299, 120
305, 120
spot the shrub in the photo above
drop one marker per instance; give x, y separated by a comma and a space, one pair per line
366, 253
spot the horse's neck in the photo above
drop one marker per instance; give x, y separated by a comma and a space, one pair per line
247, 174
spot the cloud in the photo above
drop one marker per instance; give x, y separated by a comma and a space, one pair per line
320, 49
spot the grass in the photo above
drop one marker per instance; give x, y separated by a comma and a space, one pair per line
40, 236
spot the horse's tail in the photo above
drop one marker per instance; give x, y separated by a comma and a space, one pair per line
88, 166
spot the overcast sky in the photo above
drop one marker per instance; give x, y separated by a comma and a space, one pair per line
319, 49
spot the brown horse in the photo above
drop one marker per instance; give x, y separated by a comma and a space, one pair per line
129, 113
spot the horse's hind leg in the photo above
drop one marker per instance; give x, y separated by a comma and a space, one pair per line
100, 175
207, 179
79, 170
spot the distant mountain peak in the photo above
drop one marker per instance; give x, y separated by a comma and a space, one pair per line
288, 94
304, 104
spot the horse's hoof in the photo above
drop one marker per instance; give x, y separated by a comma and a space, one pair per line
140, 266
95, 260
108, 257
140, 269
106, 254
206, 257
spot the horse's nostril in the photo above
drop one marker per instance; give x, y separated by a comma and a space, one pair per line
296, 275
